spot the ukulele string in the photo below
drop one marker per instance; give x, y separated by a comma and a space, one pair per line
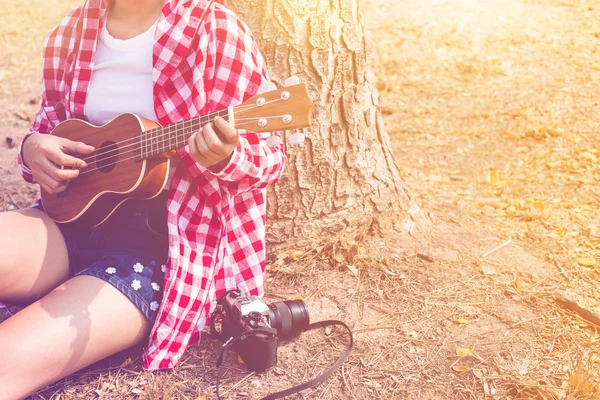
256, 119
118, 150
86, 170
162, 139
138, 140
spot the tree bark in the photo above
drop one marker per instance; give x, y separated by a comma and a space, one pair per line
343, 179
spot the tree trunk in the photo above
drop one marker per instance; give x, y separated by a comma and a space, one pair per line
343, 178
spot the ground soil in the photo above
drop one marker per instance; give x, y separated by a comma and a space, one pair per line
492, 110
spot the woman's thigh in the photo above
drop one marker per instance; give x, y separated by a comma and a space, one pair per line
80, 322
33, 255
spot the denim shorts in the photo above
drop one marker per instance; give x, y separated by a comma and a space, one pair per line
128, 250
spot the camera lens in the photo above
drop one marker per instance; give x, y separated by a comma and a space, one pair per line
289, 317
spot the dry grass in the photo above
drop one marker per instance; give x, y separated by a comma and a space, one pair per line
492, 108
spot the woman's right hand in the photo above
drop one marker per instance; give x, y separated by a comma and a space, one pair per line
46, 154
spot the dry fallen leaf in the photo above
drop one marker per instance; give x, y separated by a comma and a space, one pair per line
539, 204
353, 269
412, 334
495, 179
586, 262
387, 271
126, 362
339, 257
487, 270
460, 368
463, 352
352, 253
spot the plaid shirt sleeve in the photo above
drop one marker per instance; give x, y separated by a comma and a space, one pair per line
237, 70
52, 110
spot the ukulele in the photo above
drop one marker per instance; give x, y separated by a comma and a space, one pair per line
131, 157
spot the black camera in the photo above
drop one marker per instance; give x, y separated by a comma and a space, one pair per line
258, 327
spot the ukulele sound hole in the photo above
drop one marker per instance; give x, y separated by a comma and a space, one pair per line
107, 157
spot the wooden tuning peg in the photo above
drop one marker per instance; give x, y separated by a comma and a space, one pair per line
266, 87
296, 138
273, 141
291, 81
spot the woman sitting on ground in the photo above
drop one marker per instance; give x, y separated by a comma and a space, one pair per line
92, 292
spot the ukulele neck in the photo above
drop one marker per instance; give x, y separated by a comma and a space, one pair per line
171, 137
279, 109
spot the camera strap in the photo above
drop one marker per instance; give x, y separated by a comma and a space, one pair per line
298, 388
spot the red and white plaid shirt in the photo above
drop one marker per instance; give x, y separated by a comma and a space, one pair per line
216, 221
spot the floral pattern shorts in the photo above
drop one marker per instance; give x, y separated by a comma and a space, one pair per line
128, 250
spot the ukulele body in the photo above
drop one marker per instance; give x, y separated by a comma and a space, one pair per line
115, 173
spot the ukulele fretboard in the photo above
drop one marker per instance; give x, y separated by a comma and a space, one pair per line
166, 138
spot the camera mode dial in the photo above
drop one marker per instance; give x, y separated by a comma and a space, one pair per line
254, 316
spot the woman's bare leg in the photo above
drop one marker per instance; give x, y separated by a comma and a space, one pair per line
33, 256
78, 323
82, 321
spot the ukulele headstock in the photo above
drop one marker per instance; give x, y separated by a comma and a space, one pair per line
276, 110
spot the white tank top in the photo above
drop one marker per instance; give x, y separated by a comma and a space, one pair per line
122, 80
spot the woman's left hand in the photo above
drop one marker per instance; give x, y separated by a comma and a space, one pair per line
212, 149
